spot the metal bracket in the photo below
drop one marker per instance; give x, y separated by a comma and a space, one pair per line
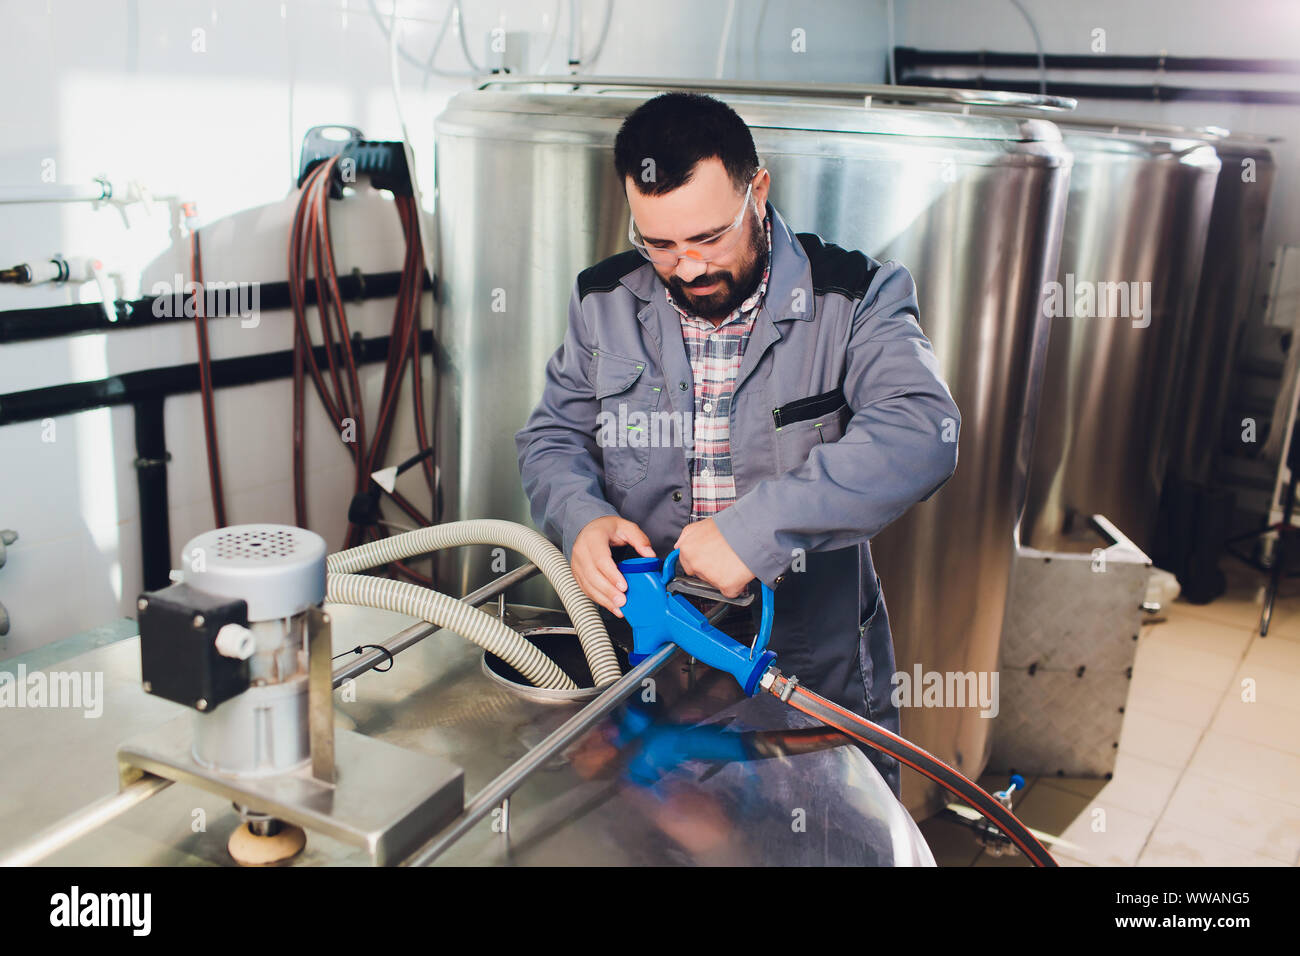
320, 695
348, 790
387, 800
685, 584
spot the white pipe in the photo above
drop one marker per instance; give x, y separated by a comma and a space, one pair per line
421, 228
469, 622
575, 36
534, 546
97, 191
890, 58
726, 37
589, 60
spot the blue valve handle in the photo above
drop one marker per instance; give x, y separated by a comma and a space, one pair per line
658, 617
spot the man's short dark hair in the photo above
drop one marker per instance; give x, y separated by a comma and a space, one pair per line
662, 141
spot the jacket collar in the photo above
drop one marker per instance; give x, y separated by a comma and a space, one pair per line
790, 272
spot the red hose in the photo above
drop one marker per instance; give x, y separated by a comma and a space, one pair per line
923, 762
337, 383
205, 383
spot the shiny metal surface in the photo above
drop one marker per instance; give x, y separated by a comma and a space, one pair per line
972, 205
498, 792
1229, 271
320, 695
386, 801
802, 795
83, 822
1138, 212
890, 93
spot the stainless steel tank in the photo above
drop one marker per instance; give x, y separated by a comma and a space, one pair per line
1135, 227
1223, 301
527, 198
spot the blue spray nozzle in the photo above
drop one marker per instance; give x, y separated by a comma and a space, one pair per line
659, 617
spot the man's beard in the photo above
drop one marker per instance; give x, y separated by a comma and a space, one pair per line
731, 291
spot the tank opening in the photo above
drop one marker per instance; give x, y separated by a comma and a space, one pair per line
561, 645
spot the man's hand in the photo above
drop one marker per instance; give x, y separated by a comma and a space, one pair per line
706, 555
593, 562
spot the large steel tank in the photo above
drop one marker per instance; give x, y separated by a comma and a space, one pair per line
527, 198
1135, 232
1223, 301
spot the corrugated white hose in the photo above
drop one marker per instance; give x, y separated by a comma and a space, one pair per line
469, 622
532, 545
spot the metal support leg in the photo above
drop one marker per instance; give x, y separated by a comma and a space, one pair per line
1279, 557
320, 694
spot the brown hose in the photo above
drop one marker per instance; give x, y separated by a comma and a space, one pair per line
337, 384
205, 383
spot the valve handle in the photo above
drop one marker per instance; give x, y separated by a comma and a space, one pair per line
765, 619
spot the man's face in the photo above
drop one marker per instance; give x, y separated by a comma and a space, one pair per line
700, 208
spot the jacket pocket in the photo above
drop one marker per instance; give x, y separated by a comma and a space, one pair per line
626, 423
796, 441
831, 426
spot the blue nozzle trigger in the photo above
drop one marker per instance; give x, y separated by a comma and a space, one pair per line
658, 617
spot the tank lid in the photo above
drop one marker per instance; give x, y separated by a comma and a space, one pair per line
591, 111
1105, 124
1195, 152
885, 93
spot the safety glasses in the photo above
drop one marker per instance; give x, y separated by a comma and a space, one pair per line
717, 246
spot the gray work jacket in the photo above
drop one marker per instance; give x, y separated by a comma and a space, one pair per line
840, 421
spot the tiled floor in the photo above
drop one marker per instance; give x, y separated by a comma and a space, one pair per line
1208, 769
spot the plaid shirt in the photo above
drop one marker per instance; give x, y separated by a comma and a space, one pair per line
715, 354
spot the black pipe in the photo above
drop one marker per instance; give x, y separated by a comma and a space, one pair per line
1156, 93
151, 457
910, 64
906, 57
26, 325
158, 383
146, 391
